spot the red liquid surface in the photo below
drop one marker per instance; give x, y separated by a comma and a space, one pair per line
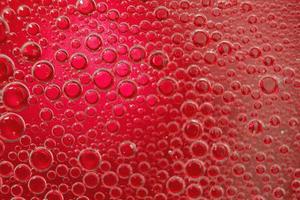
149, 100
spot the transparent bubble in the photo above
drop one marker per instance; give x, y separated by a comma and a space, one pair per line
15, 96
31, 51
89, 159
103, 79
37, 184
7, 67
43, 71
72, 89
12, 127
41, 159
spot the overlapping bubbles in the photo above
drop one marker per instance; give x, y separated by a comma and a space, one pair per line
149, 100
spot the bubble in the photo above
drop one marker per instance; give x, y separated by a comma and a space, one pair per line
224, 48
54, 195
199, 148
200, 20
85, 7
41, 159
103, 79
268, 85
68, 140
33, 28
90, 180
192, 130
93, 41
15, 96
6, 169
16, 190
37, 184
91, 96
127, 89
109, 55
12, 127
255, 127
161, 13
72, 89
200, 38
189, 108
220, 151
194, 168
43, 71
7, 67
61, 55
167, 86
110, 179
203, 86
22, 172
89, 159
122, 68
31, 51
158, 60
137, 53
255, 52
127, 149
175, 185
78, 61
63, 22
216, 191
52, 92
136, 180
193, 191
210, 57
4, 30
124, 170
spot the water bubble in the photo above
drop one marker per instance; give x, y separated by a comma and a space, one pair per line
268, 85
220, 151
175, 185
89, 159
72, 89
103, 79
63, 22
6, 169
90, 180
167, 86
41, 159
52, 92
158, 60
192, 130
31, 51
122, 68
124, 170
12, 127
85, 6
127, 149
54, 195
37, 184
109, 55
93, 41
78, 61
136, 180
161, 13
110, 179
15, 96
22, 172
194, 168
137, 53
255, 127
200, 38
43, 71
127, 89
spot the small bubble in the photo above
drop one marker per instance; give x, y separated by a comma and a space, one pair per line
31, 51
43, 71
103, 79
127, 89
78, 61
12, 127
37, 184
72, 89
41, 159
89, 159
15, 96
85, 6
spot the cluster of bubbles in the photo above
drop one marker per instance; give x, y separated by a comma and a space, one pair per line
152, 100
